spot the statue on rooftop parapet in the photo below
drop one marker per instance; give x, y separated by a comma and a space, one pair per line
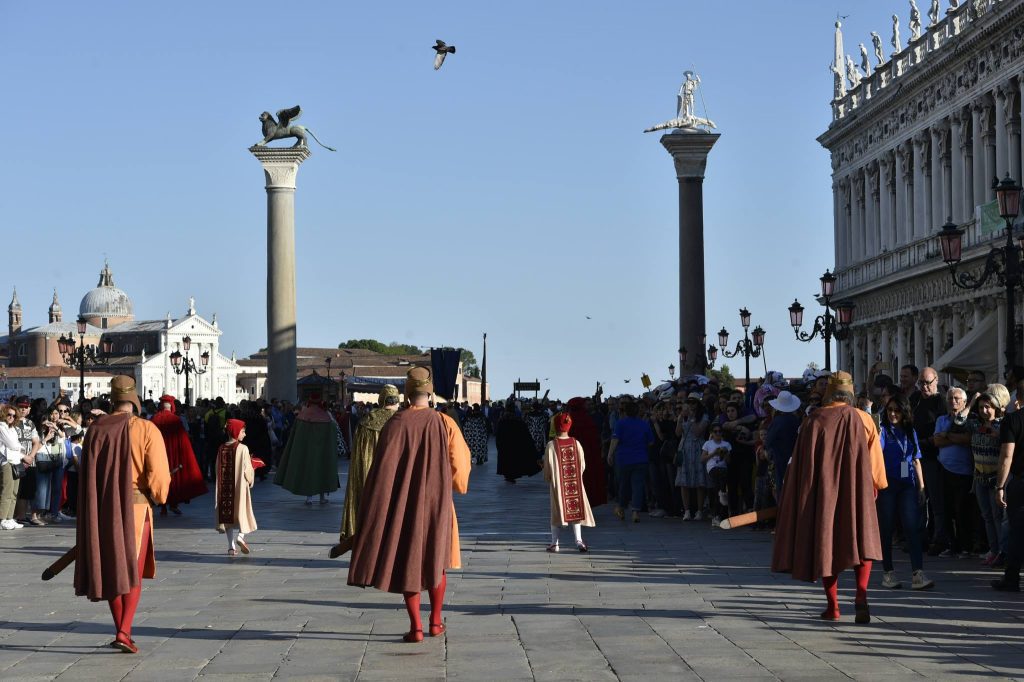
685, 115
852, 74
865, 61
896, 45
876, 42
915, 21
933, 13
280, 130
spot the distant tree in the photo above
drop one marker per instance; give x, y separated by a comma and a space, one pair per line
393, 348
724, 376
469, 366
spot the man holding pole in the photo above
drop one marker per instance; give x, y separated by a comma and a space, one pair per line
124, 472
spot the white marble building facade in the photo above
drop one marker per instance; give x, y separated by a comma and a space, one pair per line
916, 141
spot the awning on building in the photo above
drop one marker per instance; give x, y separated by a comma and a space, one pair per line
376, 381
977, 350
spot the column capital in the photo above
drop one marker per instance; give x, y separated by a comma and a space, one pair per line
689, 151
280, 164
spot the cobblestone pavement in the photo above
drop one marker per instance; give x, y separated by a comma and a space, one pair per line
660, 599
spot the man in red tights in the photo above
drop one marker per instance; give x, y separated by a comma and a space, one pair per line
827, 521
123, 473
408, 535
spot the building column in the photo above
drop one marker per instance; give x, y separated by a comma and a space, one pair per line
871, 202
919, 334
977, 156
946, 163
937, 341
689, 152
1011, 91
988, 139
957, 143
281, 167
856, 367
956, 321
901, 346
857, 249
1002, 139
846, 220
920, 196
885, 178
870, 351
837, 227
885, 347
904, 172
938, 202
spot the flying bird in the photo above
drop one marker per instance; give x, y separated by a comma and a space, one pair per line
588, 317
625, 381
442, 50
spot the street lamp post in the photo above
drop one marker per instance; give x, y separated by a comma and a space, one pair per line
749, 348
329, 384
1003, 263
78, 354
702, 363
183, 364
672, 372
827, 325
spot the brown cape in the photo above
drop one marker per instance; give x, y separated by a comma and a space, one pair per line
404, 541
106, 565
827, 520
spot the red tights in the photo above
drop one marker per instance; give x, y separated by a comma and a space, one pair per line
862, 573
123, 606
412, 604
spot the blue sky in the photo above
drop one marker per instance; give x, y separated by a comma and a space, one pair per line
512, 192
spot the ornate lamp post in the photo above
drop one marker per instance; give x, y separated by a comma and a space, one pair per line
672, 372
827, 325
700, 364
1003, 263
328, 360
78, 354
746, 347
183, 364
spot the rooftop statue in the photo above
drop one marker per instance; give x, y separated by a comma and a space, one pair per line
685, 118
896, 45
915, 21
852, 74
876, 42
933, 13
280, 130
865, 61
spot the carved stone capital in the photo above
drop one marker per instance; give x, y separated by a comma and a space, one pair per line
280, 164
689, 151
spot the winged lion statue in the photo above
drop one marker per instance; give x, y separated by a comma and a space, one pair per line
280, 129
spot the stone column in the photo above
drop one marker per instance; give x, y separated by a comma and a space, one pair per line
946, 156
901, 346
988, 139
689, 150
903, 172
885, 214
885, 348
871, 351
1012, 131
920, 226
938, 343
837, 225
871, 196
938, 213
919, 348
1002, 139
977, 156
857, 216
856, 366
844, 242
281, 166
957, 145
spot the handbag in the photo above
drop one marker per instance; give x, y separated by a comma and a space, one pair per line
44, 462
18, 470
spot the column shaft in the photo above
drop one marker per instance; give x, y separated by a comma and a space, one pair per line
978, 158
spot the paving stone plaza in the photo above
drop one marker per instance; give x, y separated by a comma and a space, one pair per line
661, 599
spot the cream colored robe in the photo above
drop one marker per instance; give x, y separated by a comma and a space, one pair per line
552, 473
245, 520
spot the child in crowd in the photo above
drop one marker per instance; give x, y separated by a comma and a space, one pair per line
563, 468
233, 501
715, 458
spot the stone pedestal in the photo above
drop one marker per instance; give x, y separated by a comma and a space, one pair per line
281, 166
689, 150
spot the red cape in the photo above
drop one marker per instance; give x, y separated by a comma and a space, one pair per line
585, 431
187, 482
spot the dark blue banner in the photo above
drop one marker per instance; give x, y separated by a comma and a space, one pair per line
444, 365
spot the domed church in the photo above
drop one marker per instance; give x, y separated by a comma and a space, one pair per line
144, 349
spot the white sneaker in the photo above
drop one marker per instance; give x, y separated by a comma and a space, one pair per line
15, 525
715, 521
920, 581
6, 524
890, 580
698, 516
656, 513
688, 516
64, 517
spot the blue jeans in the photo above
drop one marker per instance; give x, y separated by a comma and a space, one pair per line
991, 512
899, 498
632, 485
48, 486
